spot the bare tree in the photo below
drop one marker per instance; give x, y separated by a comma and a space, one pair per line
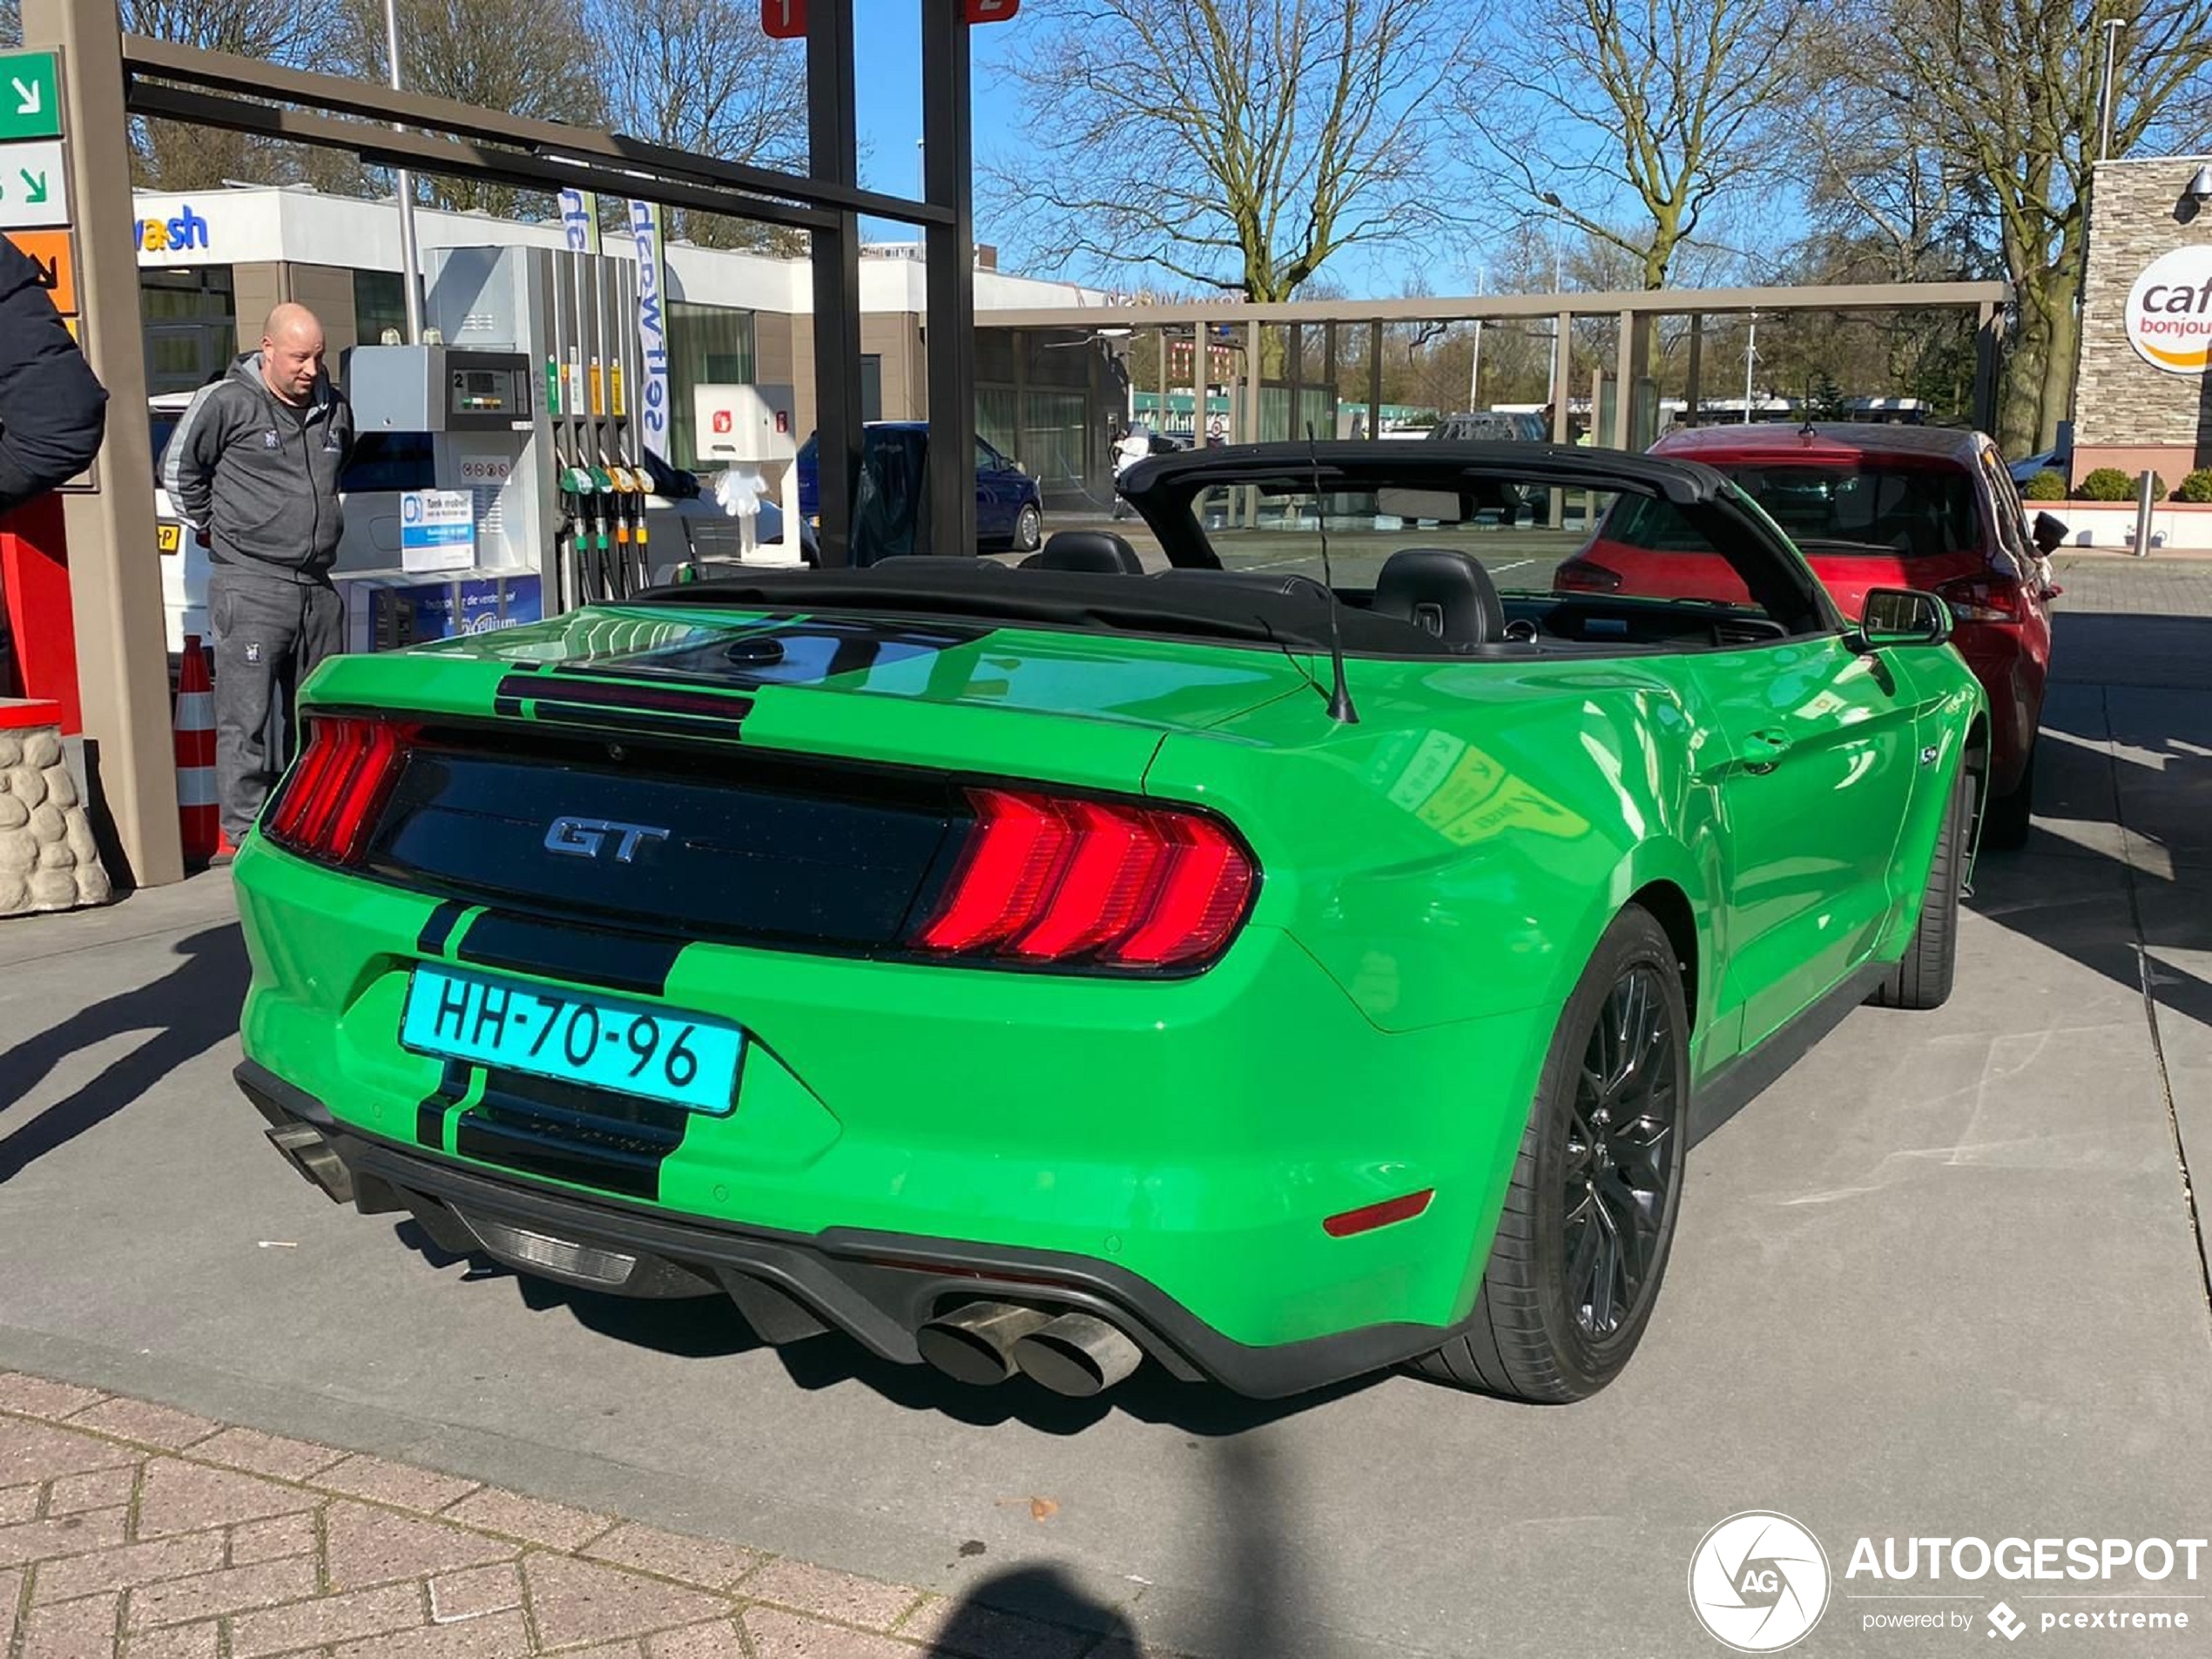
1234, 145
2005, 98
1638, 116
701, 75
483, 52
167, 155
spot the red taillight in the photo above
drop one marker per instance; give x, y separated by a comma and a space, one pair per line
1583, 576
1048, 880
333, 798
1982, 598
1011, 853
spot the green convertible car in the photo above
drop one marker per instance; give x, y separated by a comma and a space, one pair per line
1049, 968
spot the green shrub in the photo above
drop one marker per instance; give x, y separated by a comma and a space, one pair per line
2197, 487
2109, 483
2046, 485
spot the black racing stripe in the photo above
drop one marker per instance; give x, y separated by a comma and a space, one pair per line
642, 725
619, 961
432, 941
430, 1116
565, 1132
625, 697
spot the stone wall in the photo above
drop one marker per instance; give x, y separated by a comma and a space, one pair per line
48, 860
2121, 401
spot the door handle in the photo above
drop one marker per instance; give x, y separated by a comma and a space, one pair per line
1762, 750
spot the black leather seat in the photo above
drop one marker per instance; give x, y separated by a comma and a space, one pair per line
1444, 591
1094, 550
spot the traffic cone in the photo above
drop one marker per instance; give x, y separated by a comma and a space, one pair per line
199, 817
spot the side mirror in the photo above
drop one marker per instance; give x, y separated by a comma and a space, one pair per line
1903, 617
2047, 532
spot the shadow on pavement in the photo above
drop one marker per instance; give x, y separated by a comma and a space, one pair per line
977, 1626
710, 1327
2162, 666
187, 1011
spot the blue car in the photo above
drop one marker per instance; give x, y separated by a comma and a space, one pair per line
1009, 504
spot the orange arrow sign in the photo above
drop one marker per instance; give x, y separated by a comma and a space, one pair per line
50, 250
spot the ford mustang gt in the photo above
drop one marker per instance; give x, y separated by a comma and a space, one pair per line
1311, 957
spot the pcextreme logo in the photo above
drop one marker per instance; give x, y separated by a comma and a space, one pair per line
2170, 312
1758, 1581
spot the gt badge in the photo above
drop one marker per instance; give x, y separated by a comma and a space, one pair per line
585, 838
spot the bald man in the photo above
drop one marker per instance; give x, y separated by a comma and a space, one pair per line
253, 467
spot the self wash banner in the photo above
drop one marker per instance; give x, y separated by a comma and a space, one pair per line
652, 324
580, 220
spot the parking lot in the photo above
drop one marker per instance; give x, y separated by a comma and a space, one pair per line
1945, 1279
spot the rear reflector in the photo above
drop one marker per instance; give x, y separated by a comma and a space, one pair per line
1059, 882
1370, 1217
330, 803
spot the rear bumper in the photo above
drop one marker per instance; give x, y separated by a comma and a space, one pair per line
878, 1288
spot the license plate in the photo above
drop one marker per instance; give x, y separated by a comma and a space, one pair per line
577, 1036
169, 538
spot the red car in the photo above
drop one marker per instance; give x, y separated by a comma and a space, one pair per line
1873, 507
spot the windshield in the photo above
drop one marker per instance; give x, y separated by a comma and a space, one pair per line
1917, 511
1528, 541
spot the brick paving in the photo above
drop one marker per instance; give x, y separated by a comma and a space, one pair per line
130, 1530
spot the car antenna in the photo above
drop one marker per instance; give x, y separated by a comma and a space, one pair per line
1341, 709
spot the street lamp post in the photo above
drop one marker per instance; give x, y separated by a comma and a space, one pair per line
1751, 357
403, 188
2104, 98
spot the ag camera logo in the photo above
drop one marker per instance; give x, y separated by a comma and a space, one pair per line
1758, 1581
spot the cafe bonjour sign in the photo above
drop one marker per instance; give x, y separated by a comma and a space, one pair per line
2170, 312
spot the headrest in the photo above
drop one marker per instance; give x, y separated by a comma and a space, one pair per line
1443, 592
1096, 550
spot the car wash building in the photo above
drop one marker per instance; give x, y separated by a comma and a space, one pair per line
212, 263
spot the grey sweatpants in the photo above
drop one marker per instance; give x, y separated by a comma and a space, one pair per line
270, 633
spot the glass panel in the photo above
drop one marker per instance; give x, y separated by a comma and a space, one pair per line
379, 303
1053, 431
996, 417
707, 345
995, 349
1916, 512
872, 387
1644, 549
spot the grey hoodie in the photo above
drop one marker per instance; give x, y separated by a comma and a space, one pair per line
260, 483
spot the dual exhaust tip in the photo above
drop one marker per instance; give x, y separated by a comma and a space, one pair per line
1075, 1354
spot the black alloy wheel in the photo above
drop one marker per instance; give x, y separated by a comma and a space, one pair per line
1619, 1164
1573, 1269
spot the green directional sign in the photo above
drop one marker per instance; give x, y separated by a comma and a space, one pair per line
31, 96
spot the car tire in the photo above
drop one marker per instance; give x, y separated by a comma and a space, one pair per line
1539, 1331
1922, 979
2004, 820
1028, 529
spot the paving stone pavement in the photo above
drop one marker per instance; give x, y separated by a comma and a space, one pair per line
130, 1530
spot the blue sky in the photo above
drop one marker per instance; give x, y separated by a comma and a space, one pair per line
887, 56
